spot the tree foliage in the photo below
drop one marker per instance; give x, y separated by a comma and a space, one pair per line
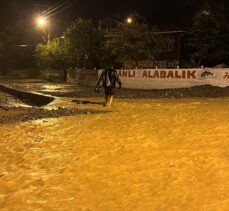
78, 47
209, 38
133, 42
52, 55
82, 40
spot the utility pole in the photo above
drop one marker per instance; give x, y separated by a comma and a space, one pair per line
100, 33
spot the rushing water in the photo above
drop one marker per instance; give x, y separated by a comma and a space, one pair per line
143, 155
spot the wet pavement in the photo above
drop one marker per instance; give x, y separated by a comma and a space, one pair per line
21, 100
77, 91
49, 88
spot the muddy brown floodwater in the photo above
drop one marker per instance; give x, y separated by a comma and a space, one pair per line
163, 154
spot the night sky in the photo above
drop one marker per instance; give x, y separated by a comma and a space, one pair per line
156, 12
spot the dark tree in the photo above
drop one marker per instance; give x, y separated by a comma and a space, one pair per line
132, 42
209, 37
83, 43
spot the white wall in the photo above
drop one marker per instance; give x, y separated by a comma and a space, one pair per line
173, 78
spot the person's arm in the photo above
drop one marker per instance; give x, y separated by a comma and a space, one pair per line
117, 79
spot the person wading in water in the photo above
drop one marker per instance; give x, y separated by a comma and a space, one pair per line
108, 79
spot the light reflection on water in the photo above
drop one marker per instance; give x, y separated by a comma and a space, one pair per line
144, 155
60, 88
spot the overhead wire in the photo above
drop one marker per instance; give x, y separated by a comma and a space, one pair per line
63, 8
52, 7
56, 7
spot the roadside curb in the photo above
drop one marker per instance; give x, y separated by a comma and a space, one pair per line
29, 98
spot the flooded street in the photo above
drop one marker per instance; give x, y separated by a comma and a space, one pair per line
146, 154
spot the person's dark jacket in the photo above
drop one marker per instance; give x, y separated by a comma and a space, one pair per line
108, 78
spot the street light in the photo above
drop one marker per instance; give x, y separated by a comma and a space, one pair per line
42, 23
129, 20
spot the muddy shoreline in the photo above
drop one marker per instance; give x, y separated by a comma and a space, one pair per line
14, 110
22, 114
205, 91
79, 91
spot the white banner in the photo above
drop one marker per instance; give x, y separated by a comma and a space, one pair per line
173, 78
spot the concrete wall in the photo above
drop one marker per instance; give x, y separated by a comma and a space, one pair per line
82, 77
54, 75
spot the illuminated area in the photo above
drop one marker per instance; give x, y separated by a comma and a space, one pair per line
41, 21
129, 20
163, 154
